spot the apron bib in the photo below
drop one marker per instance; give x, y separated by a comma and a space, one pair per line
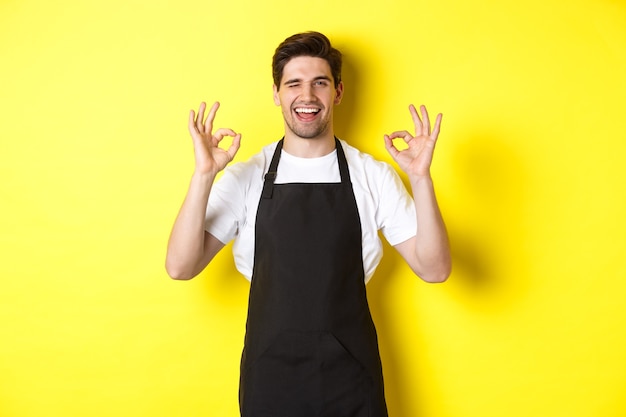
311, 348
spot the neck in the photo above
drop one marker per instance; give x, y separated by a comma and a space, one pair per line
309, 148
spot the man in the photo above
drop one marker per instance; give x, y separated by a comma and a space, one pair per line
305, 214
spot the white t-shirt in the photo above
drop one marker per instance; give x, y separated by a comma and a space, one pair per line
382, 200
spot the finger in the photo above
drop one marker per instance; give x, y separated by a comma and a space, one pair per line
234, 147
200, 117
401, 134
192, 121
416, 120
437, 127
208, 125
425, 121
221, 132
391, 148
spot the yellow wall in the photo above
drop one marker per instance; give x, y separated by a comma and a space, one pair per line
95, 159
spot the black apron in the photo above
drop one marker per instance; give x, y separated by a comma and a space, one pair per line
311, 347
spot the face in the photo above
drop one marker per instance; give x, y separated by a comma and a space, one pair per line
307, 96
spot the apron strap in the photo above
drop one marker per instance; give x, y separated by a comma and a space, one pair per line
343, 163
270, 176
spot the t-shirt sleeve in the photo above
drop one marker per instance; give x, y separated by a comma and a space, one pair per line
396, 208
226, 207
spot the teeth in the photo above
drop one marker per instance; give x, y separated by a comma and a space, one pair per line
306, 110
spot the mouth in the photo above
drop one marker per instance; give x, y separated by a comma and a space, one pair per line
307, 114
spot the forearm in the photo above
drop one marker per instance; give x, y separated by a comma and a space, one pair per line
185, 250
432, 248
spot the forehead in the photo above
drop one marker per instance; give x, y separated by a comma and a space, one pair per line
306, 68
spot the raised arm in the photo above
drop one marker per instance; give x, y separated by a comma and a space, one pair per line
190, 247
428, 253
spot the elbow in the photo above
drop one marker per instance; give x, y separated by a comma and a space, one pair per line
180, 277
437, 275
177, 273
436, 278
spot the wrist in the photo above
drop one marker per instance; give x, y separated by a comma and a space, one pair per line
203, 179
417, 180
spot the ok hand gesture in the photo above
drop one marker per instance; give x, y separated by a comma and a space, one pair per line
417, 158
210, 158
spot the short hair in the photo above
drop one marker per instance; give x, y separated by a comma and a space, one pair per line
313, 44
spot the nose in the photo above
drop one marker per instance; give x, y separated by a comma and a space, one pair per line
307, 92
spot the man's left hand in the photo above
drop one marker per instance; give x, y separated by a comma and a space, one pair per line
416, 159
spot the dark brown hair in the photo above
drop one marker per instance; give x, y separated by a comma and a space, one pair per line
312, 44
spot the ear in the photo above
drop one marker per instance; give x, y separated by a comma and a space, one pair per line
276, 97
339, 93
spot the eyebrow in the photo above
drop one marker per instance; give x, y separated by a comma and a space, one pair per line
299, 80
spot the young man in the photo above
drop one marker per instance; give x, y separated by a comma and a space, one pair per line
305, 214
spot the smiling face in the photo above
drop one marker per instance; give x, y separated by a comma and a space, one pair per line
307, 96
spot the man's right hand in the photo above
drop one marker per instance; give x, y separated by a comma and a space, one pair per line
210, 158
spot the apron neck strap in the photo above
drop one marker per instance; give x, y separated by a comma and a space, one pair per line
270, 176
343, 163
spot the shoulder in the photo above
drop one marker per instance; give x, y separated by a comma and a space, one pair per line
253, 168
365, 165
375, 182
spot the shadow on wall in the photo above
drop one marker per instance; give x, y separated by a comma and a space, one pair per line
484, 205
489, 229
224, 285
357, 119
344, 116
484, 194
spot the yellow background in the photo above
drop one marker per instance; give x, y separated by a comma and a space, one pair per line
95, 160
